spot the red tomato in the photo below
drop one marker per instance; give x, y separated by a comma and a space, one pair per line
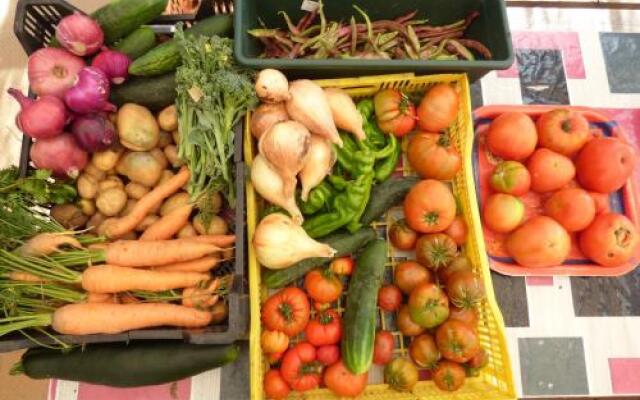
563, 131
321, 306
459, 263
510, 177
409, 274
274, 341
457, 230
395, 113
435, 250
433, 156
457, 341
549, 170
300, 368
405, 324
273, 358
323, 286
573, 208
275, 386
429, 206
502, 212
512, 136
479, 360
383, 348
342, 382
465, 289
428, 305
328, 354
424, 351
449, 376
601, 201
467, 315
389, 298
611, 240
342, 265
401, 236
286, 311
605, 164
539, 242
325, 328
438, 108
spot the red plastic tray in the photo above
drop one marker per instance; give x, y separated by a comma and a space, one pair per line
625, 201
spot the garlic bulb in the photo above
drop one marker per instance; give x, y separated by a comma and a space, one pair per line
320, 160
269, 185
344, 112
285, 146
280, 243
309, 106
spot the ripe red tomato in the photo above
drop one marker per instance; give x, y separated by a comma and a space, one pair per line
328, 354
510, 177
325, 328
275, 386
502, 212
409, 274
601, 201
438, 108
405, 324
274, 358
539, 242
457, 230
467, 315
395, 113
389, 298
286, 311
424, 351
323, 286
342, 265
563, 131
459, 263
465, 289
549, 170
342, 382
573, 208
479, 360
401, 236
605, 164
449, 376
274, 341
300, 367
435, 250
512, 136
457, 341
433, 156
383, 348
429, 206
428, 305
611, 240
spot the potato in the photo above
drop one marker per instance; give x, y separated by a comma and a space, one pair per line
95, 221
158, 154
171, 152
166, 175
176, 136
129, 236
137, 128
168, 118
94, 171
135, 190
165, 139
111, 201
128, 207
87, 206
110, 182
140, 167
187, 231
173, 202
106, 160
112, 172
218, 226
69, 215
214, 201
87, 186
146, 222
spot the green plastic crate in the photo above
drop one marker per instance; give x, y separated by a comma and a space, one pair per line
491, 28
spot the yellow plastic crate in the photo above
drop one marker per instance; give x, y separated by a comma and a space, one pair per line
495, 381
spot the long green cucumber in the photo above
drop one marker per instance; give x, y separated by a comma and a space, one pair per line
126, 365
344, 243
386, 195
359, 319
155, 92
121, 17
137, 42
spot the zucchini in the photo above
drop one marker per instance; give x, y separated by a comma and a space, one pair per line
154, 93
121, 17
137, 42
139, 363
166, 56
386, 195
344, 243
359, 319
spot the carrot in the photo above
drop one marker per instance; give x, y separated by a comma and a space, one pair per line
169, 225
128, 223
135, 253
203, 264
201, 297
98, 246
101, 298
218, 240
95, 318
128, 298
19, 276
114, 279
44, 244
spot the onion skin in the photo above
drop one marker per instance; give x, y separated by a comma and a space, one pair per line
266, 116
53, 71
42, 118
93, 132
272, 86
79, 34
60, 154
114, 64
90, 93
309, 106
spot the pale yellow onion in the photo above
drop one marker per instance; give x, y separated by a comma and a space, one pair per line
266, 116
269, 185
344, 112
272, 86
320, 160
279, 243
309, 106
285, 146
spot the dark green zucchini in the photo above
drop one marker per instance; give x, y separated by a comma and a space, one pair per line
155, 92
137, 42
121, 17
386, 195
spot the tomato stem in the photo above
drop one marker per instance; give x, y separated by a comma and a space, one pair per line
623, 237
431, 218
286, 311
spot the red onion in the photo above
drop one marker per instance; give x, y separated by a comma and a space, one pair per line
79, 34
60, 154
93, 132
90, 93
114, 64
42, 118
53, 71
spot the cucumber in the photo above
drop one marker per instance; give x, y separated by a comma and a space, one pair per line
359, 318
386, 195
154, 93
166, 56
137, 42
343, 243
121, 17
127, 365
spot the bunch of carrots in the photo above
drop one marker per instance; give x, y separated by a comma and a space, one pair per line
118, 285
